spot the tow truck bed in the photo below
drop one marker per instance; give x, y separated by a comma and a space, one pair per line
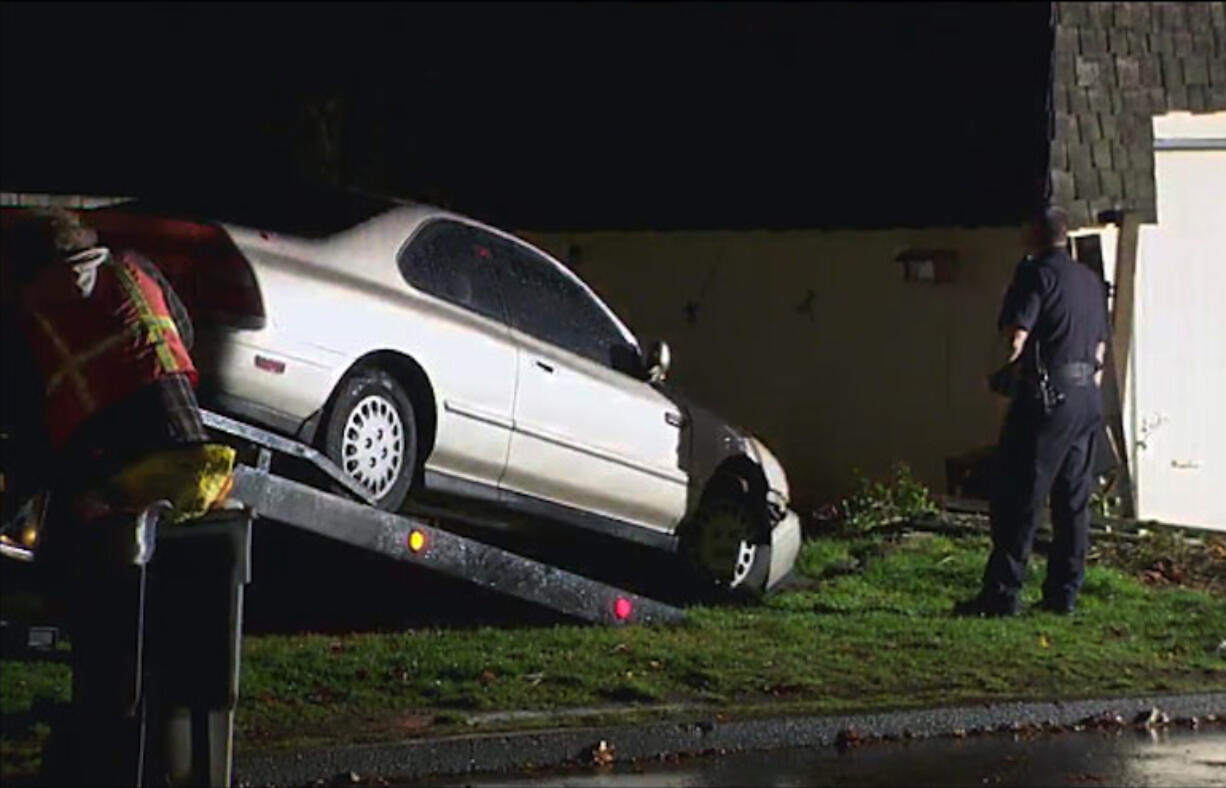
415, 542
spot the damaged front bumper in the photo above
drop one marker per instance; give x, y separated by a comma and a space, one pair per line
785, 547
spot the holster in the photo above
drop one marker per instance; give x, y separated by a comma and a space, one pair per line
1049, 397
1034, 384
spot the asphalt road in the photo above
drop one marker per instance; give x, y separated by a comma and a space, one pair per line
1123, 757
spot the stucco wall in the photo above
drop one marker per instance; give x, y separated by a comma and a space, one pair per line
867, 370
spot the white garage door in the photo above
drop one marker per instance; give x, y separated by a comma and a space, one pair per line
1178, 407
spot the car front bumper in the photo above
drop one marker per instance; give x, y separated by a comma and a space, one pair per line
785, 546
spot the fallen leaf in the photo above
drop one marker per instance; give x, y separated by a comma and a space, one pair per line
415, 722
1153, 578
1103, 721
1153, 718
487, 677
603, 754
1044, 642
846, 739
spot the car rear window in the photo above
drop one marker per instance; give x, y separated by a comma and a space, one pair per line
455, 262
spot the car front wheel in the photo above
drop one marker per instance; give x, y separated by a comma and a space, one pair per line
372, 436
722, 548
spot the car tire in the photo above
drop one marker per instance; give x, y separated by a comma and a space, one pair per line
372, 436
724, 550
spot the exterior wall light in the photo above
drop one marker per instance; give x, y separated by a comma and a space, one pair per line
935, 266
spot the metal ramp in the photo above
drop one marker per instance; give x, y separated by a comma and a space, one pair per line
415, 542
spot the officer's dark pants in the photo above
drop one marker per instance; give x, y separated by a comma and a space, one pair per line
1040, 455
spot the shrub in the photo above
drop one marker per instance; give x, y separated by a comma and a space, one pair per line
876, 503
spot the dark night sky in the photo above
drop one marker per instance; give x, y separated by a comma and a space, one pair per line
548, 116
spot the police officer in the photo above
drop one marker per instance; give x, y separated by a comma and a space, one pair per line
1054, 321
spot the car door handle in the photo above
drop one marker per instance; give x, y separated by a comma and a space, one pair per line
545, 367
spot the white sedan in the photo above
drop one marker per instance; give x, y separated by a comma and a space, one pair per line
426, 352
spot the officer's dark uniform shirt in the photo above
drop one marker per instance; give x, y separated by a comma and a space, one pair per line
1061, 303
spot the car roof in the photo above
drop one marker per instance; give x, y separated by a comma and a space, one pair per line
334, 217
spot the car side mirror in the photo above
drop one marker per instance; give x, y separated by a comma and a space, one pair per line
658, 359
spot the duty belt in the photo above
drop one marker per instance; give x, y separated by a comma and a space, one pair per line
1075, 373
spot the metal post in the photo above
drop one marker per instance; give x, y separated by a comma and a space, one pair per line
155, 650
196, 625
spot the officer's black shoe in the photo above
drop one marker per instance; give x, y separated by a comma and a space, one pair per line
1061, 607
985, 606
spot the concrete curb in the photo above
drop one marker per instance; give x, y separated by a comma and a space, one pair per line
496, 752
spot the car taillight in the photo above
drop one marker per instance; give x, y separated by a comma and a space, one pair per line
208, 272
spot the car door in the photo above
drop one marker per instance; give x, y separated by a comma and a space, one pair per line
472, 359
585, 435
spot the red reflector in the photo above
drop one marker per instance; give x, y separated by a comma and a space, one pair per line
622, 608
269, 365
417, 541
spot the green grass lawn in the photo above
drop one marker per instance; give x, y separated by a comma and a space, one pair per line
869, 628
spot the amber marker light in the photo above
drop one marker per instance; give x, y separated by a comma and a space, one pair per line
417, 541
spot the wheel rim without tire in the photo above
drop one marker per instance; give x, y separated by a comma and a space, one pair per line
724, 548
373, 444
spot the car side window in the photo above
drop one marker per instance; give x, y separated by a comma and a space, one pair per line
454, 262
545, 303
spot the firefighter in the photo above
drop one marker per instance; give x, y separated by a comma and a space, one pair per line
109, 342
108, 354
1054, 322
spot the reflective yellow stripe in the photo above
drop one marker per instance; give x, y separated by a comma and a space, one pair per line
68, 367
72, 365
157, 336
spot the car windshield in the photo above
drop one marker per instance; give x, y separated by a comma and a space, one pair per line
308, 213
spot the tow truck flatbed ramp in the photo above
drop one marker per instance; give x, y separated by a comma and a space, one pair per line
415, 542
